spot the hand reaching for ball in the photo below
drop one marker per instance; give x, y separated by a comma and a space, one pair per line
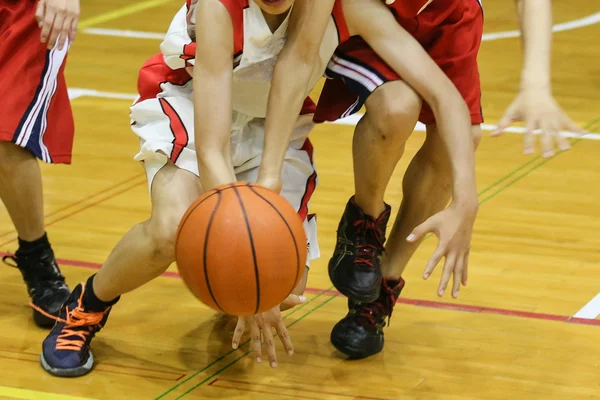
261, 327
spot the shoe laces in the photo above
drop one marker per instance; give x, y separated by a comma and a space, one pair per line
371, 313
366, 250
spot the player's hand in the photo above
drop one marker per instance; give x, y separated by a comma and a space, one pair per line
58, 20
538, 109
264, 324
453, 227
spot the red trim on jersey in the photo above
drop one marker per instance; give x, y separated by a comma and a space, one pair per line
340, 22
154, 73
180, 134
311, 183
189, 53
236, 11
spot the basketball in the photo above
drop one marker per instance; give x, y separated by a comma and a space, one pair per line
241, 249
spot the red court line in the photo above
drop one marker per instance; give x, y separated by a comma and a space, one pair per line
415, 302
316, 392
110, 196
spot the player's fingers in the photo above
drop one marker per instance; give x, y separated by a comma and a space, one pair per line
465, 275
548, 137
528, 138
285, 337
446, 273
39, 11
421, 230
561, 141
293, 300
507, 119
47, 22
57, 29
434, 260
238, 333
269, 344
457, 275
572, 126
256, 342
73, 27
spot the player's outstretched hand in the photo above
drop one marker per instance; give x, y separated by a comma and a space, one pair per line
539, 110
453, 227
261, 327
58, 20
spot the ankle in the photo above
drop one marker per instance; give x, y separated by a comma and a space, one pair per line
369, 207
33, 246
92, 302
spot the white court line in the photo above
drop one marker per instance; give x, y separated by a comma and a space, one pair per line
564, 26
591, 310
352, 120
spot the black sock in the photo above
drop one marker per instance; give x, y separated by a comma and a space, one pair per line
34, 246
91, 302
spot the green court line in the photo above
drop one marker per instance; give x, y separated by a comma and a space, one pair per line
542, 161
294, 310
589, 126
250, 351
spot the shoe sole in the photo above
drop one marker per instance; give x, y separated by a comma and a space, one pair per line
354, 353
359, 297
68, 372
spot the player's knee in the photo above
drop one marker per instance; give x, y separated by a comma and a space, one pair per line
162, 229
392, 110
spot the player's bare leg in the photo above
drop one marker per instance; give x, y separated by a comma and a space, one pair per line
427, 188
21, 192
379, 138
144, 253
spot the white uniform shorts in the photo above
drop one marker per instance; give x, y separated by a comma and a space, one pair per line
165, 125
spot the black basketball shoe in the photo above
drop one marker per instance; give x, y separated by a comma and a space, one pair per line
355, 268
45, 283
360, 333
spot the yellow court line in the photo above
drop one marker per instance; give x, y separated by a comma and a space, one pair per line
122, 12
24, 394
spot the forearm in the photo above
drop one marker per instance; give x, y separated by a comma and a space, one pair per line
212, 127
535, 19
291, 78
453, 122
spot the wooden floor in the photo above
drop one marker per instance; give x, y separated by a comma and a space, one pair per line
535, 260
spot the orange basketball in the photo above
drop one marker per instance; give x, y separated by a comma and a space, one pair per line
241, 249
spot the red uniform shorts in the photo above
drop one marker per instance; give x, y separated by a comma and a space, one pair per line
35, 112
449, 30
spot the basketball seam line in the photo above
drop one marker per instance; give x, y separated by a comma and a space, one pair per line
289, 230
204, 257
256, 273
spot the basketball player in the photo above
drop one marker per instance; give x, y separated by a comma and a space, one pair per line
534, 104
35, 122
222, 149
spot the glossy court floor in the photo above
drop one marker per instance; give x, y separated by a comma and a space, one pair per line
521, 330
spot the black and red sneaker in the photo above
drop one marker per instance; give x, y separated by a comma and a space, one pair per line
360, 333
45, 283
355, 268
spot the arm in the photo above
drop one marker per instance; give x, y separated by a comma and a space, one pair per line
534, 103
308, 23
406, 56
212, 77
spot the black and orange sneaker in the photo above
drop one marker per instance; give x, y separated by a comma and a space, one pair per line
355, 268
66, 349
360, 333
45, 283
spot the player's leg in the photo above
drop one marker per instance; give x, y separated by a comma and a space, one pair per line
427, 183
35, 115
144, 253
379, 138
